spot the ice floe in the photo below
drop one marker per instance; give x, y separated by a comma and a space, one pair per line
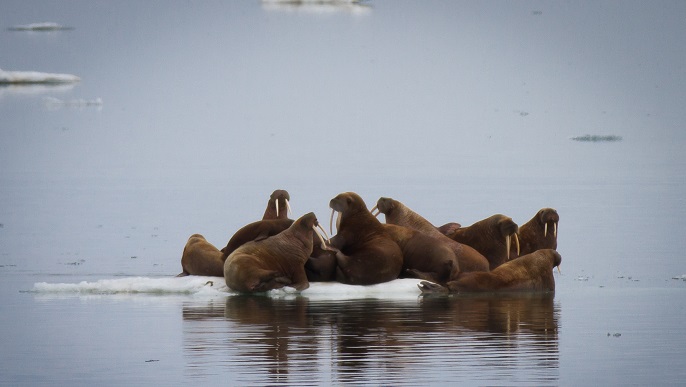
317, 6
35, 77
597, 138
215, 286
43, 26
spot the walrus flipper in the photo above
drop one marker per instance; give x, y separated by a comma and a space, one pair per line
270, 281
431, 288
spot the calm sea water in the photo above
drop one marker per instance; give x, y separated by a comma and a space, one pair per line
458, 109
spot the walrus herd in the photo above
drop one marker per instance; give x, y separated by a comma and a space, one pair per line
491, 255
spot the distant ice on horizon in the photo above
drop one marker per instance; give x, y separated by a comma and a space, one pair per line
215, 286
35, 77
43, 26
316, 6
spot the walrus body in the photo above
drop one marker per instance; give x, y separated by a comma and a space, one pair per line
274, 262
366, 254
491, 237
200, 257
424, 257
532, 272
397, 213
540, 232
255, 231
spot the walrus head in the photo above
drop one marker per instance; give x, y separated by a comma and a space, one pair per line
278, 205
309, 222
346, 204
557, 260
548, 216
508, 229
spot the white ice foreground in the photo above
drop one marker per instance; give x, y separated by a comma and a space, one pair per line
215, 286
35, 77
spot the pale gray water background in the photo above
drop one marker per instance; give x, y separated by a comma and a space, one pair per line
458, 109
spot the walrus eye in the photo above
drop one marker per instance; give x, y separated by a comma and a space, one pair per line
348, 200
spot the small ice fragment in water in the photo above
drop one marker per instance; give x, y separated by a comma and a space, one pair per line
597, 138
44, 26
34, 77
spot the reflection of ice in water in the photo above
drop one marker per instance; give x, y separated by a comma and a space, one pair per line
28, 77
44, 26
55, 103
316, 6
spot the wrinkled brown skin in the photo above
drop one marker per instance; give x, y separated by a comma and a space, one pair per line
424, 257
487, 236
366, 254
531, 233
255, 231
273, 263
397, 213
270, 211
200, 257
532, 272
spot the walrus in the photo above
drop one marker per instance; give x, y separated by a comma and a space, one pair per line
278, 205
255, 231
540, 232
491, 237
531, 272
424, 257
365, 252
200, 257
274, 262
397, 213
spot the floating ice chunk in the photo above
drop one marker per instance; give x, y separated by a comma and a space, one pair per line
597, 138
44, 26
680, 277
317, 6
33, 77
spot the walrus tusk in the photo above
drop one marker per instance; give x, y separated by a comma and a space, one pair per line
331, 222
545, 230
338, 221
277, 208
324, 231
374, 209
507, 246
558, 269
555, 229
288, 206
320, 237
517, 243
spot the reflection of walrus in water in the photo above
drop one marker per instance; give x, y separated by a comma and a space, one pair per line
532, 272
397, 213
200, 257
366, 254
423, 256
491, 237
274, 262
540, 232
